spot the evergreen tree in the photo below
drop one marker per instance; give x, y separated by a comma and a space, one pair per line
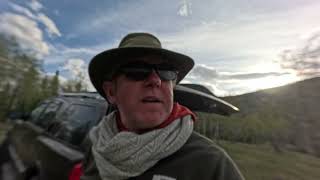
44, 87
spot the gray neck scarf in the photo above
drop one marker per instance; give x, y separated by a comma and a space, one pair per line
121, 155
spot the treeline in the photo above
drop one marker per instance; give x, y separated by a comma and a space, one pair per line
256, 128
23, 84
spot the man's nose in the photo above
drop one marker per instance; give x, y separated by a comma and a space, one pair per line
154, 79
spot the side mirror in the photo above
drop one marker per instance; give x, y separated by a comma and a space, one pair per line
15, 115
199, 98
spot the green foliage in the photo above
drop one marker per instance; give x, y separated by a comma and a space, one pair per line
55, 85
254, 128
21, 86
74, 85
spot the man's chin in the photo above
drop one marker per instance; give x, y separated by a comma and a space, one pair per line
152, 119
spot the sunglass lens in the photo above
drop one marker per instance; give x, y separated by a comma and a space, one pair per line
167, 75
137, 74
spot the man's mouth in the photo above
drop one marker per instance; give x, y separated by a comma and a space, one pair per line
151, 99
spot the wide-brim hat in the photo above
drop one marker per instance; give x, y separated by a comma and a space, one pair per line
103, 66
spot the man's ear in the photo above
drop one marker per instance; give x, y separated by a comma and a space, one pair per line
109, 91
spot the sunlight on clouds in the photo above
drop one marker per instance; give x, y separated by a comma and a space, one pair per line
24, 27
263, 37
232, 87
26, 32
269, 82
207, 76
267, 66
50, 25
234, 83
258, 41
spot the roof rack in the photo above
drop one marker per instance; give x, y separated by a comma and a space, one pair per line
93, 95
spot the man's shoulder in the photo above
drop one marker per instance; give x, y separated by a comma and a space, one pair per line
201, 158
211, 158
201, 151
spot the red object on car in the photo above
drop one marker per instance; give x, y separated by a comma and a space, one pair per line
76, 172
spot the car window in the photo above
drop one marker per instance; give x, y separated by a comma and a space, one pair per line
75, 121
37, 112
83, 115
48, 114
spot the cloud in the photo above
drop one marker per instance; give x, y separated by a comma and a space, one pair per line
233, 83
22, 10
78, 70
120, 19
75, 67
51, 28
26, 32
60, 54
56, 12
23, 27
73, 62
185, 9
256, 37
35, 5
304, 61
205, 73
244, 76
80, 51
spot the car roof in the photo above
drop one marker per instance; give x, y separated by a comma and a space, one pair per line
195, 97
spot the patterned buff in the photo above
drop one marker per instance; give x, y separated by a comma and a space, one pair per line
121, 155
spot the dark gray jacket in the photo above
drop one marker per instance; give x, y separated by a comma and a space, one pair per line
198, 159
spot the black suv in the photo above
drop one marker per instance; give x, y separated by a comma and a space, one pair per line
48, 144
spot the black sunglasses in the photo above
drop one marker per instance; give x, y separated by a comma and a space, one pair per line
141, 71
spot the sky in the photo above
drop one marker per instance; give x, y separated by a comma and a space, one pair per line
238, 46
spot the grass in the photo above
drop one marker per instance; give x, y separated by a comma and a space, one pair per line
261, 162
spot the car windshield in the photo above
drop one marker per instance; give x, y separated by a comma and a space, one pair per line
83, 116
262, 57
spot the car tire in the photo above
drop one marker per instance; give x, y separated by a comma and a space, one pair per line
5, 157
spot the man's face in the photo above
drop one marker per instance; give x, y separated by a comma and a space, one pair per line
143, 103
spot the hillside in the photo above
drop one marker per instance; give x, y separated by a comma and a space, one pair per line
295, 106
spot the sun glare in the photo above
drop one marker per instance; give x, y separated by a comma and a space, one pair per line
272, 80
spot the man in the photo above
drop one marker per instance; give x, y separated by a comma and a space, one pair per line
148, 136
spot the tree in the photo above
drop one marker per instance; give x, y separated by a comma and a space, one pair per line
75, 85
54, 85
20, 77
